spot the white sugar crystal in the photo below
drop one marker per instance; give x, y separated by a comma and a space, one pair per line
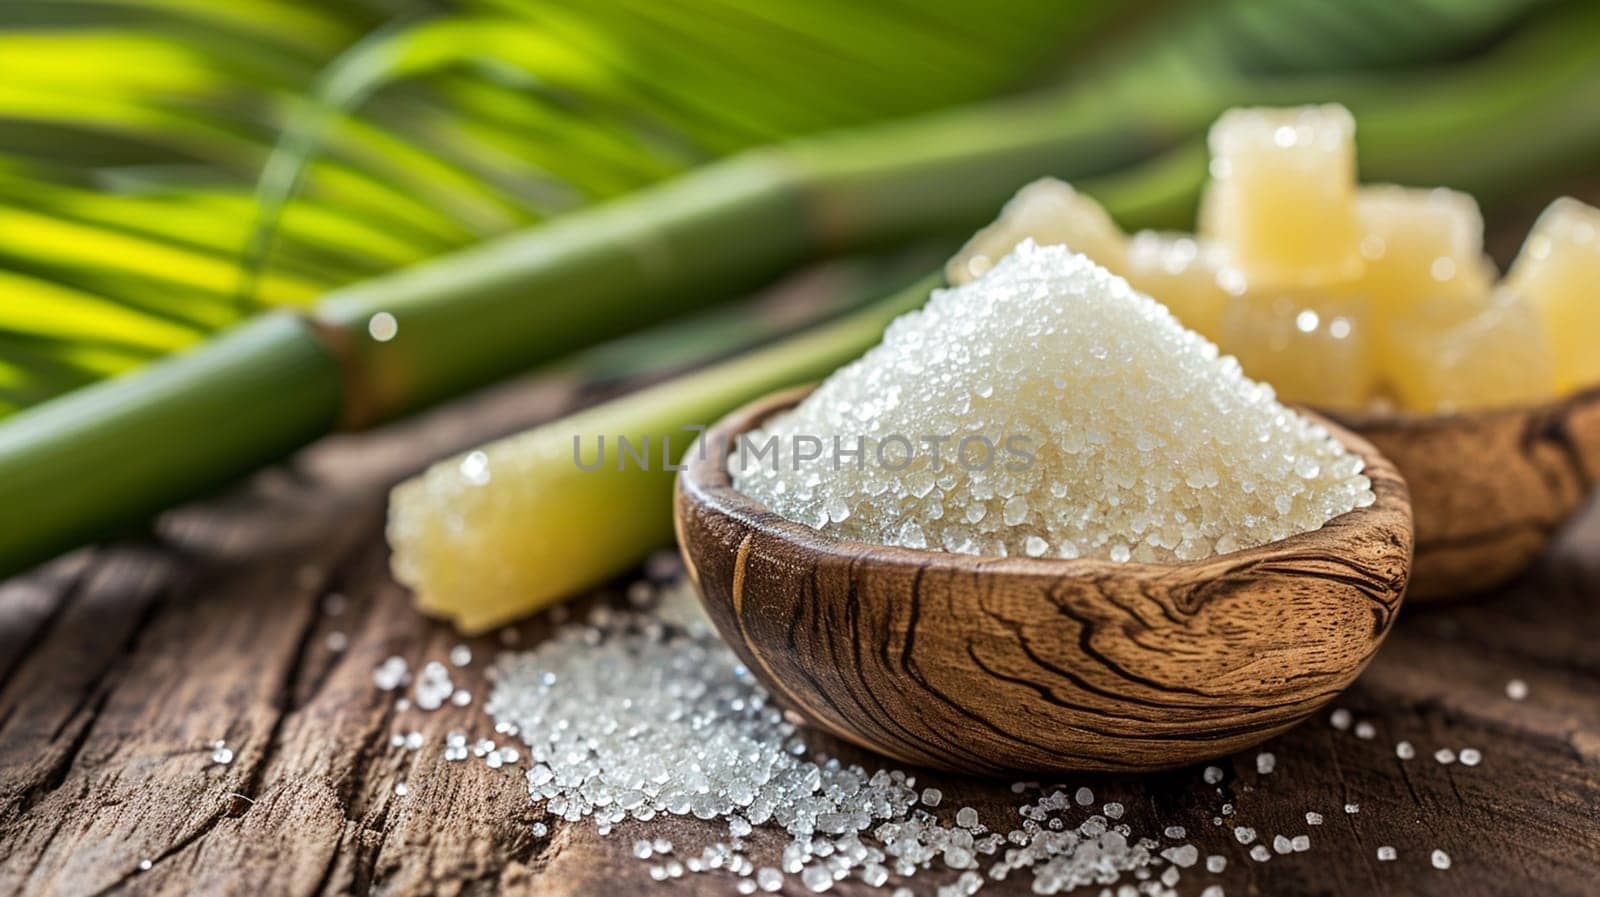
644, 712
391, 674
1517, 690
1445, 756
1213, 891
1175, 832
1352, 809
1216, 863
1300, 843
1266, 763
1244, 834
1441, 860
1182, 856
1386, 854
1404, 750
932, 796
1470, 757
1048, 400
1282, 844
1339, 719
1366, 731
1313, 818
1260, 853
460, 656
1213, 775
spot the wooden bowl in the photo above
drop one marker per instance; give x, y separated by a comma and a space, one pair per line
995, 664
1489, 489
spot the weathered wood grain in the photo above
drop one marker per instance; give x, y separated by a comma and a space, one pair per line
1489, 489
995, 664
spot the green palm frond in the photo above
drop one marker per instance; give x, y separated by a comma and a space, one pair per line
170, 166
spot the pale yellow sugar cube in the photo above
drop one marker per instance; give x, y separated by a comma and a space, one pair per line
1420, 244
1558, 270
1282, 196
1052, 213
1457, 352
1183, 273
1314, 347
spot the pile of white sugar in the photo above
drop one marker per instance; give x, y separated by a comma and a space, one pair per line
1048, 409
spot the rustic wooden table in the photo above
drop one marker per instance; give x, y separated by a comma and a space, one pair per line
121, 664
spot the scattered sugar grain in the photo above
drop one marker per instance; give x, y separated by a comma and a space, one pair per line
1386, 854
1183, 856
1260, 853
1216, 863
1517, 690
1313, 818
1440, 859
1212, 775
628, 715
1352, 809
1340, 719
1266, 762
1445, 756
1366, 731
1404, 750
1470, 757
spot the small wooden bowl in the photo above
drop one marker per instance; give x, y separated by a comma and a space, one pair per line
1490, 488
995, 664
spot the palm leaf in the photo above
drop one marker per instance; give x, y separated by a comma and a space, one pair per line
181, 163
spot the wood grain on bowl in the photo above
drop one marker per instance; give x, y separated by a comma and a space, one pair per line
1490, 488
994, 664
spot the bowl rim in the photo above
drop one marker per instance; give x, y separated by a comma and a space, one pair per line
704, 479
1398, 419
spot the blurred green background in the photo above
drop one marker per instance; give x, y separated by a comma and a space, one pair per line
168, 167
518, 180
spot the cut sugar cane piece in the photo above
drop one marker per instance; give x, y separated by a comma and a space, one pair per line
1418, 245
517, 525
1451, 353
1051, 213
1312, 346
1558, 270
1281, 198
1187, 275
